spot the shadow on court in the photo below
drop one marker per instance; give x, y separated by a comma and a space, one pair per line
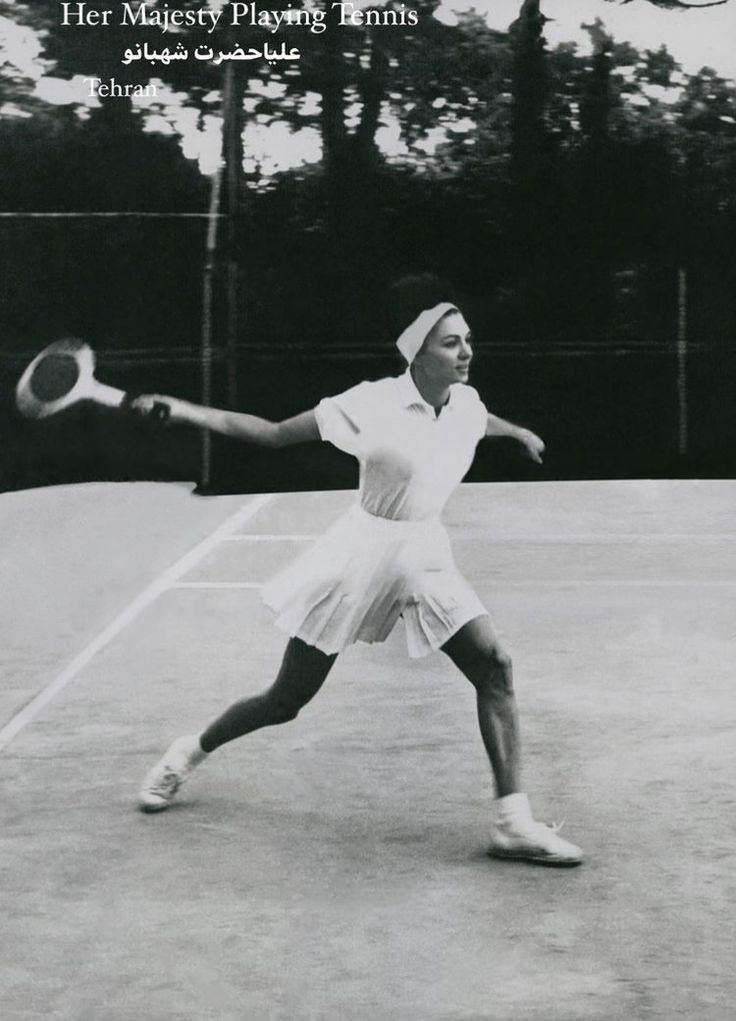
335, 868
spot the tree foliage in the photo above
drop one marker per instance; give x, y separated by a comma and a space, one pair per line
679, 5
517, 166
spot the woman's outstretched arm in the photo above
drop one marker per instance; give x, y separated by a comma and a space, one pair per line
240, 426
530, 441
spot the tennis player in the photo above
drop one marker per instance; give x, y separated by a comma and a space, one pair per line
387, 558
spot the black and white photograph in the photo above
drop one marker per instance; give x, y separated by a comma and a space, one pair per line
367, 488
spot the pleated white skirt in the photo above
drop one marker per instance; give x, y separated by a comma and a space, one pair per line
365, 572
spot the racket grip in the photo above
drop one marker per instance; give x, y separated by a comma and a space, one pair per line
159, 414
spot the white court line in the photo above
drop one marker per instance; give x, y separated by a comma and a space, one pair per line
217, 584
270, 538
620, 583
141, 602
560, 539
526, 583
555, 539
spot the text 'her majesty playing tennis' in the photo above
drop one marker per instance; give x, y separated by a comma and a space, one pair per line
238, 15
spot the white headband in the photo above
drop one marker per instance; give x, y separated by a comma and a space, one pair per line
411, 340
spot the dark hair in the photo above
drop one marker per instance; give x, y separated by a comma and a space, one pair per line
413, 294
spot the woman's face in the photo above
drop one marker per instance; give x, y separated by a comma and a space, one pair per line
447, 352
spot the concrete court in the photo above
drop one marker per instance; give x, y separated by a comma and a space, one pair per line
334, 869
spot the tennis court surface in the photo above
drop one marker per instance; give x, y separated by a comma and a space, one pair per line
334, 869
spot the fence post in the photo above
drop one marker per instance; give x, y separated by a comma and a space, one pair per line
233, 159
210, 262
682, 408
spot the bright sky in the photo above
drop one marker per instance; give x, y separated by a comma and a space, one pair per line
695, 38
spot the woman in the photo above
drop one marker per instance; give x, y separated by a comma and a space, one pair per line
388, 557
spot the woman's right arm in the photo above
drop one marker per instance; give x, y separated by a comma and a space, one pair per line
237, 424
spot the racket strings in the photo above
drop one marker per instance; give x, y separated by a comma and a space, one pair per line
54, 377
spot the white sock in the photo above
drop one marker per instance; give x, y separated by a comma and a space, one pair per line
513, 808
194, 749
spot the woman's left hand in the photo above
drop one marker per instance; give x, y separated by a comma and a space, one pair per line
533, 445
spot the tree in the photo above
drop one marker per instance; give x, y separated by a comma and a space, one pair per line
674, 5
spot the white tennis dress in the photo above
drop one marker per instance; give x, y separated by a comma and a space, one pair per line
389, 556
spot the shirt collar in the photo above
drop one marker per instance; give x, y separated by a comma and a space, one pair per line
411, 397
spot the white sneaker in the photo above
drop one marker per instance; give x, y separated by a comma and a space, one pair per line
164, 780
528, 840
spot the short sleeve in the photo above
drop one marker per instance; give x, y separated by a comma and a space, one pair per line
476, 413
342, 419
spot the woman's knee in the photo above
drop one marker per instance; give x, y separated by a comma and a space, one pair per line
301, 675
281, 708
495, 675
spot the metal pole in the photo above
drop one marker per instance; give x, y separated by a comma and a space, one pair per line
210, 262
682, 409
233, 154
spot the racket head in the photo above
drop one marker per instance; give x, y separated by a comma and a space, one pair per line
58, 377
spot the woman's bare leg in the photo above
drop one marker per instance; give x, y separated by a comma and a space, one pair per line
476, 651
302, 673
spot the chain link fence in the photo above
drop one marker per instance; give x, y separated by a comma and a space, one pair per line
649, 395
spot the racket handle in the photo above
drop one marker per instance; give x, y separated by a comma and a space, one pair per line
159, 414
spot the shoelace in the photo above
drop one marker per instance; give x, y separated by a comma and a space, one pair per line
555, 827
167, 784
536, 830
545, 828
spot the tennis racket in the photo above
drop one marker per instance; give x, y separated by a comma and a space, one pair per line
64, 374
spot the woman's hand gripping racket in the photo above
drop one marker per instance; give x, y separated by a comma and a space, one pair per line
62, 375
